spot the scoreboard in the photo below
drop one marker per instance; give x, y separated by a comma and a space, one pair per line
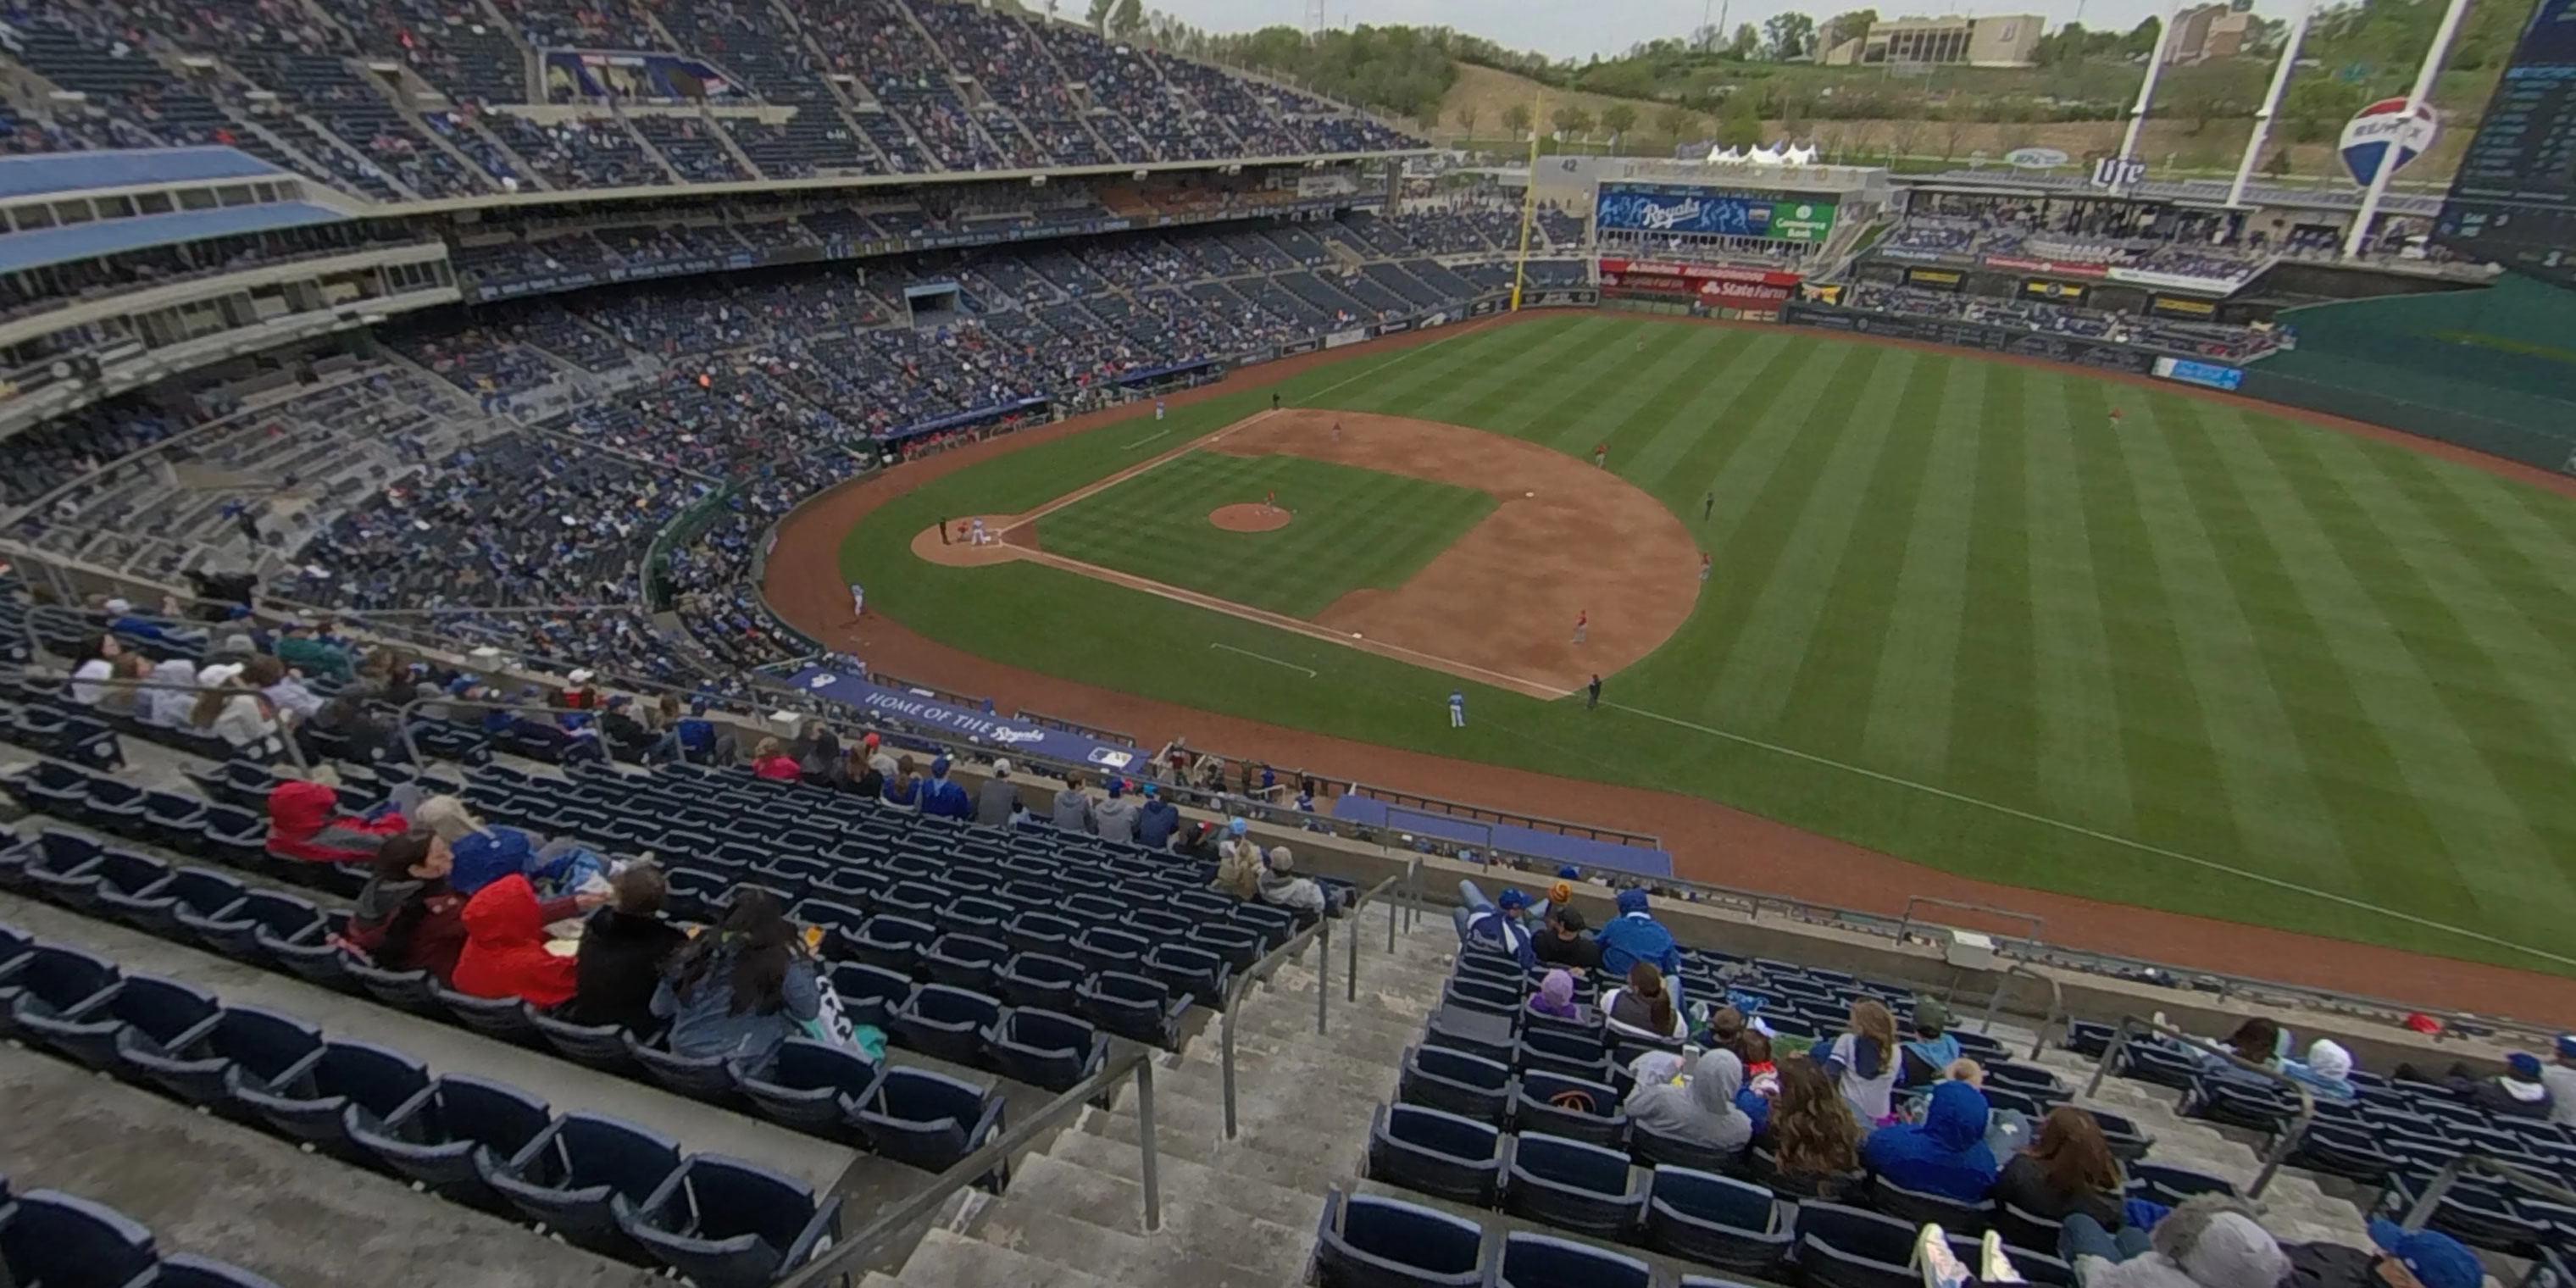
2514, 199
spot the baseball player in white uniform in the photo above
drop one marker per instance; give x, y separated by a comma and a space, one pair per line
1457, 708
976, 532
858, 600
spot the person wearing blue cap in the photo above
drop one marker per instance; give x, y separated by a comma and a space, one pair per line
1635, 936
941, 797
1115, 817
2400, 1259
2518, 1092
2560, 1078
1156, 820
1495, 927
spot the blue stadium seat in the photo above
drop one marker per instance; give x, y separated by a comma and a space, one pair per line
1574, 1108
576, 1174
1440, 1154
246, 1046
597, 1046
1133, 1006
1715, 1220
947, 1023
1652, 1150
1201, 974
2027, 1231
699, 1077
1541, 1261
894, 943
128, 887
1040, 932
404, 990
1478, 993
974, 915
1038, 979
1567, 1183
116, 806
1239, 948
57, 1239
810, 1087
1548, 1052
185, 1271
174, 821
451, 1132
1045, 1049
1476, 1033
930, 1120
2162, 1183
839, 922
1105, 950
2128, 1142
970, 962
1363, 1241
162, 1012
504, 1019
237, 931
725, 1223
870, 995
1926, 1209
1845, 1247
1455, 1082
353, 1084
52, 862
51, 982
2162, 1065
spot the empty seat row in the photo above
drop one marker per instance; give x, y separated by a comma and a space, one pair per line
48, 1237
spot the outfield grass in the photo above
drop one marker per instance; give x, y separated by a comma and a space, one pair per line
1352, 529
2168, 665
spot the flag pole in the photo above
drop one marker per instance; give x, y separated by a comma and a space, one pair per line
1529, 201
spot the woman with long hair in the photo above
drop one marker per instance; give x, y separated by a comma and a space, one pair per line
1811, 1132
231, 709
1643, 1006
2068, 1169
741, 989
1864, 1060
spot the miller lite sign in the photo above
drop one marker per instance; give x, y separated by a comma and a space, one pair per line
2118, 172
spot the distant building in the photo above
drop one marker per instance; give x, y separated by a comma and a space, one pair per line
2000, 40
2207, 32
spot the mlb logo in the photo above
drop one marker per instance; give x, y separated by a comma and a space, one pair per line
2118, 172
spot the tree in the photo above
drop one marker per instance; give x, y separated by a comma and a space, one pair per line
1516, 118
1467, 121
1571, 122
1704, 39
1845, 26
1676, 122
1127, 19
1745, 42
1098, 17
1789, 34
1618, 118
1739, 124
2141, 40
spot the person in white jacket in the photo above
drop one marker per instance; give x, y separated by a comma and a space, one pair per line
237, 713
169, 707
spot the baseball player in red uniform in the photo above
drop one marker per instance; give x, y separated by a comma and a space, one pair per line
2115, 418
1337, 433
1582, 620
1601, 456
1270, 501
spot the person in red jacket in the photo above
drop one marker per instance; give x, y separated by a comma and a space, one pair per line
305, 824
505, 947
770, 760
409, 918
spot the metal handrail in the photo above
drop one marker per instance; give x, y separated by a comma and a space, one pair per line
927, 1199
2481, 1161
2289, 1137
1321, 931
2056, 1004
1906, 922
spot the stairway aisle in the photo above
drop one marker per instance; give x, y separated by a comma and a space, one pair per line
1236, 1214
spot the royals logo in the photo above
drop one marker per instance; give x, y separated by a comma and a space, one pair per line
1656, 218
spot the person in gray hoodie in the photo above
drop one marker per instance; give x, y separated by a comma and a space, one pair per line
1701, 1111
2211, 1241
1073, 805
1115, 818
998, 802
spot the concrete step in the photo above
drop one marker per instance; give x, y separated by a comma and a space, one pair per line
1273, 1246
949, 1260
1271, 1107
1290, 1161
1272, 1063
1044, 1234
1181, 1176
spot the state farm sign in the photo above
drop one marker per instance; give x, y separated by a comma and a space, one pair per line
1710, 284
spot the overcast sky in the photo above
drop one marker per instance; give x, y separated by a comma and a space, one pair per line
1572, 28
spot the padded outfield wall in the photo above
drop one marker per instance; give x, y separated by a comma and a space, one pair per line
2493, 370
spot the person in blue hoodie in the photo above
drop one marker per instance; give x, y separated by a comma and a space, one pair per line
1635, 936
485, 853
1156, 822
1945, 1155
942, 797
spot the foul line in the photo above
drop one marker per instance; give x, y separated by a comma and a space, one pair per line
2090, 834
1146, 439
1264, 657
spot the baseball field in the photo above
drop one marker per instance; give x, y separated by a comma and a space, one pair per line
2209, 660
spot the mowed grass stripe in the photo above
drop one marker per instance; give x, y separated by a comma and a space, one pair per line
2083, 767
1913, 687
1647, 404
1445, 381
2353, 760
1354, 529
1777, 536
1652, 446
2514, 755
1841, 656
2525, 560
2177, 794
1994, 736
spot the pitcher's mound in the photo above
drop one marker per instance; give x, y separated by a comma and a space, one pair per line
1248, 518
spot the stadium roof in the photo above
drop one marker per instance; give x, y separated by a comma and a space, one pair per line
71, 172
22, 251
2199, 191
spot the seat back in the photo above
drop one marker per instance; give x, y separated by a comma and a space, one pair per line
353, 1083
1456, 1082
1045, 1049
809, 1086
1129, 1005
1364, 1241
1437, 1153
576, 1174
1926, 1209
700, 1077
964, 961
927, 1119
870, 993
1574, 1108
1579, 1186
55, 982
56, 1238
1041, 980
726, 1223
188, 1271
1543, 1261
447, 1136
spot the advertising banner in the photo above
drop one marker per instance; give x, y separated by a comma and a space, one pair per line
1914, 255
934, 716
1339, 339
1682, 208
1391, 328
2055, 292
1482, 308
2177, 307
2079, 351
2373, 130
2014, 263
1939, 279
2201, 373
1296, 347
1560, 299
1711, 272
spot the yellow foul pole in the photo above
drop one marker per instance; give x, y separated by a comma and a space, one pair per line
1529, 200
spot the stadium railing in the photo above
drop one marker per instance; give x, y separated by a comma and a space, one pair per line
2284, 1141
1409, 881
